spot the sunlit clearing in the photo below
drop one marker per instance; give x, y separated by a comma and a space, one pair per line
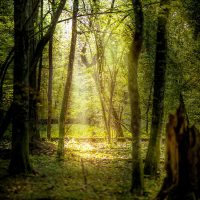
83, 147
97, 151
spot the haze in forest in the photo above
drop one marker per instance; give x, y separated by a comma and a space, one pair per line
99, 99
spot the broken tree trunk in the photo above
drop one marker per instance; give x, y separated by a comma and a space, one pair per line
182, 181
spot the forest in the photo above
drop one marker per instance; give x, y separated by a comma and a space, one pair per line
99, 99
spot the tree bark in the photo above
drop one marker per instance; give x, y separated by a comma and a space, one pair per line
134, 53
153, 153
183, 160
50, 84
50, 89
117, 124
68, 84
20, 135
33, 109
44, 40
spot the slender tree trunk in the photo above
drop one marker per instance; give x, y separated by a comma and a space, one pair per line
103, 103
135, 49
68, 84
153, 153
45, 39
40, 65
50, 84
3, 71
33, 110
20, 135
50, 88
148, 109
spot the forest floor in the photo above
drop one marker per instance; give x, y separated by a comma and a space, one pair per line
89, 171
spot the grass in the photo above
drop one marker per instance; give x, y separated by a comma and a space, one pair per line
75, 130
89, 171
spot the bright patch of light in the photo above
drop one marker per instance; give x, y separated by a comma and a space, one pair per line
83, 146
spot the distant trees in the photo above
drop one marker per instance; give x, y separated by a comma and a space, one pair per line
68, 84
103, 72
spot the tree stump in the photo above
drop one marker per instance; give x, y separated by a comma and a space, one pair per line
182, 181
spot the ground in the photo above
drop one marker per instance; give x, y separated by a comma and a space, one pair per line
89, 171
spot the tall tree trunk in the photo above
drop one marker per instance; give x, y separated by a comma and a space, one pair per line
20, 135
50, 88
50, 84
33, 110
40, 65
66, 95
153, 153
135, 49
45, 39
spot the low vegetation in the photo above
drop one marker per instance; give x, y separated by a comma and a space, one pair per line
90, 170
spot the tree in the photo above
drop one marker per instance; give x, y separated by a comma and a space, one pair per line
68, 84
25, 63
153, 153
33, 110
20, 134
182, 163
109, 112
134, 53
50, 83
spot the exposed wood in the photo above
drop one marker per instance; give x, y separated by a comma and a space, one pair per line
183, 160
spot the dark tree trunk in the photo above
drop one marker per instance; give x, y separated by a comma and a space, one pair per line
50, 84
135, 49
68, 84
39, 76
182, 181
50, 88
153, 153
20, 136
34, 131
44, 40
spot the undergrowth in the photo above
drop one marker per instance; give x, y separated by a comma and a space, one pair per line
89, 171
